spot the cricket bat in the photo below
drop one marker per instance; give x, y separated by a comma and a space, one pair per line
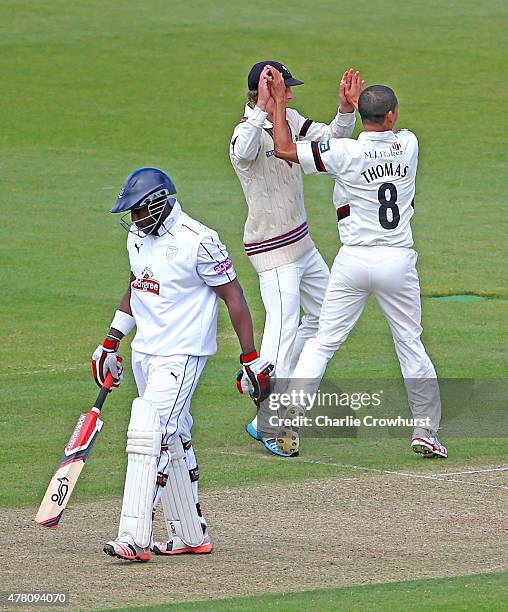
73, 460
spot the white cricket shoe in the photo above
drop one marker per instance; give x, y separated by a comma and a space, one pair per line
127, 550
176, 546
429, 446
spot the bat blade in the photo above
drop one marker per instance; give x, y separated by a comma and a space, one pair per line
71, 464
58, 492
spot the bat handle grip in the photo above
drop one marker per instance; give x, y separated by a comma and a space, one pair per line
105, 389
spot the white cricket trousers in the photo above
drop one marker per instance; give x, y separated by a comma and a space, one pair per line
390, 274
284, 291
169, 383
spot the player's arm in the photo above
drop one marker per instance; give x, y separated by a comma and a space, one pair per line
105, 356
232, 295
285, 148
255, 373
326, 156
246, 140
343, 124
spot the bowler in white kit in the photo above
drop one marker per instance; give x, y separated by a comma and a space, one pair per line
374, 198
179, 269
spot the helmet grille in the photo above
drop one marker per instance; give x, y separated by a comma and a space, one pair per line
154, 200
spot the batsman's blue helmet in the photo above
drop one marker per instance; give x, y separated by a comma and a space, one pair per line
139, 186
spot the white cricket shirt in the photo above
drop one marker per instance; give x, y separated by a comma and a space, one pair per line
171, 297
374, 184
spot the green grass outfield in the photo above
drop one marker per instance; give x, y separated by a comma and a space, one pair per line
482, 592
93, 90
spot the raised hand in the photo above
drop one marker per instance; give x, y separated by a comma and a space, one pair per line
263, 88
277, 85
351, 86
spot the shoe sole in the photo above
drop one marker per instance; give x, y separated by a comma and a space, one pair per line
288, 442
279, 453
109, 550
276, 452
205, 549
288, 437
427, 452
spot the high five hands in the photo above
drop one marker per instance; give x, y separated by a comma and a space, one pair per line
271, 83
350, 88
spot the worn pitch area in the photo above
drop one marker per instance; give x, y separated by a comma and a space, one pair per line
356, 529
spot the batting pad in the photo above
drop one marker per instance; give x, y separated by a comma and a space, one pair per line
178, 502
143, 448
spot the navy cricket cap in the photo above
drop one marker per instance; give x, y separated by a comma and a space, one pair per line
255, 71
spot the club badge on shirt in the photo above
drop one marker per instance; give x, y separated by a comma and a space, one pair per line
171, 252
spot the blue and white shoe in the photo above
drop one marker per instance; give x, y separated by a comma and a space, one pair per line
269, 443
252, 431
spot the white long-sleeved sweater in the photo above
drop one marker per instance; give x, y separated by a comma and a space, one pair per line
276, 231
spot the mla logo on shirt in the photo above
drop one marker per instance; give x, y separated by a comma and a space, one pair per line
146, 284
397, 146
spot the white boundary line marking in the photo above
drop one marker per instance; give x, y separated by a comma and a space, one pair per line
497, 469
440, 478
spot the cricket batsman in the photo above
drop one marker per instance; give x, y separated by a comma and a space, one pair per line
179, 269
374, 198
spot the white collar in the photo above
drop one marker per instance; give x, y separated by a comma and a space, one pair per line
388, 135
171, 220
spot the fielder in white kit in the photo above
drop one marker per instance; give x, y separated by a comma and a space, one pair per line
374, 198
292, 273
179, 268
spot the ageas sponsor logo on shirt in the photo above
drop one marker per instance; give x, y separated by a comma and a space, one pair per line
223, 266
146, 283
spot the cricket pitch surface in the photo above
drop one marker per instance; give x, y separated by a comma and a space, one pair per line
354, 529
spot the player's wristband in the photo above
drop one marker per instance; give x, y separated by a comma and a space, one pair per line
123, 322
249, 357
110, 345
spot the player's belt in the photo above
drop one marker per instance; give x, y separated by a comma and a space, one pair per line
277, 242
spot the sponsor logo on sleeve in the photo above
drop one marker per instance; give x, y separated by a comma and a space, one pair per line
324, 146
223, 267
